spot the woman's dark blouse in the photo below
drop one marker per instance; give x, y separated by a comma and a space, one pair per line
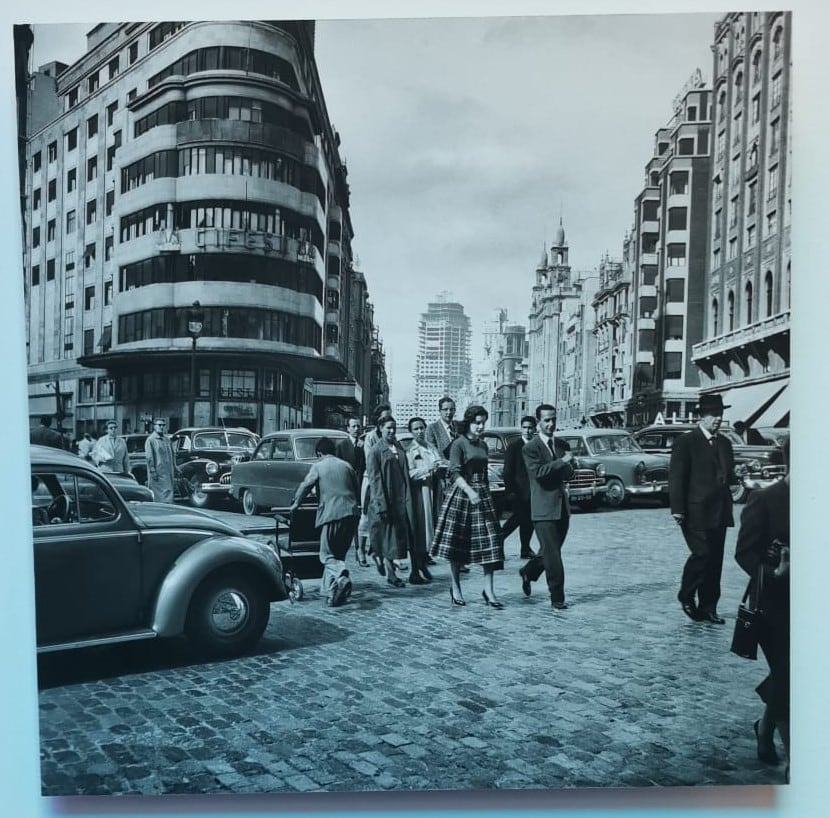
468, 458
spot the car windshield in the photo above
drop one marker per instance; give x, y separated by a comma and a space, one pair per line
609, 444
135, 444
224, 440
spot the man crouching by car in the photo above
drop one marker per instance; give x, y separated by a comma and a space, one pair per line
338, 510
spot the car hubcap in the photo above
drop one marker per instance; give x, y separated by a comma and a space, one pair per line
229, 612
615, 492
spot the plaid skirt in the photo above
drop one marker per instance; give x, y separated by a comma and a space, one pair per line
467, 533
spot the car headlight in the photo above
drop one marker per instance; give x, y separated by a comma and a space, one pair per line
765, 473
601, 470
754, 465
640, 472
211, 468
741, 469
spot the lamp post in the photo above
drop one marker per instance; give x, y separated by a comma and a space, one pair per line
195, 322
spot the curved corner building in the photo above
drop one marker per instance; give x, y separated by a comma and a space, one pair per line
193, 162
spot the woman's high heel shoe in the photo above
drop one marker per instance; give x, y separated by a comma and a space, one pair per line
426, 574
454, 600
493, 603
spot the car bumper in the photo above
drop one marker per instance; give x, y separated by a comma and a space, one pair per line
753, 483
215, 488
648, 488
586, 492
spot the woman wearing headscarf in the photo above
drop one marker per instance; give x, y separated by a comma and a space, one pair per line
426, 466
390, 500
468, 531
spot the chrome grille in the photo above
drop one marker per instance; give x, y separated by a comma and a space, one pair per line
583, 478
660, 475
225, 479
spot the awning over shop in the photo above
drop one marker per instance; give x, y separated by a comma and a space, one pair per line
776, 413
748, 402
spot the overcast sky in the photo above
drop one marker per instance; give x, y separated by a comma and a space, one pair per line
466, 139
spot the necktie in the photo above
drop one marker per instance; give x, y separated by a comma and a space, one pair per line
550, 446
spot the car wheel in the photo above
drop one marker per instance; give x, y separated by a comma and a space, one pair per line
738, 493
198, 497
615, 493
227, 615
248, 504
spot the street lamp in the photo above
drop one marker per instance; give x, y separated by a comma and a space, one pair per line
195, 322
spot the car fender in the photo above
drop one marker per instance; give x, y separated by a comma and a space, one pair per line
198, 466
204, 558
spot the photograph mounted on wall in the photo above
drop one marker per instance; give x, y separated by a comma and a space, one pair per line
444, 448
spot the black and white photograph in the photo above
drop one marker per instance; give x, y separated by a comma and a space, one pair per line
409, 403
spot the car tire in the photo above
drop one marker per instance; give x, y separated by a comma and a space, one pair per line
227, 614
738, 492
615, 493
248, 505
198, 498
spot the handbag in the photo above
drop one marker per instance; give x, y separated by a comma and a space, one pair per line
748, 620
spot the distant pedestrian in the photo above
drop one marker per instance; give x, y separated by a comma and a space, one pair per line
391, 523
110, 452
517, 488
372, 436
85, 446
467, 531
45, 435
160, 463
426, 469
764, 545
338, 508
700, 470
351, 450
441, 433
549, 465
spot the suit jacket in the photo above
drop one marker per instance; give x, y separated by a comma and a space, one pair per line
355, 456
516, 480
338, 489
699, 477
548, 499
766, 517
437, 437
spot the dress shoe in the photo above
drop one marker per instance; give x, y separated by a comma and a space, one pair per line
690, 609
492, 603
559, 606
526, 586
712, 616
431, 561
426, 574
416, 579
396, 582
454, 600
766, 751
379, 565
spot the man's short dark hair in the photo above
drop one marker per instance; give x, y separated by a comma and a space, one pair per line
45, 420
544, 407
445, 399
325, 445
527, 419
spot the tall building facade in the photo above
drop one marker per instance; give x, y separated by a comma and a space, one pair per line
188, 234
443, 365
745, 352
671, 218
578, 355
613, 331
555, 289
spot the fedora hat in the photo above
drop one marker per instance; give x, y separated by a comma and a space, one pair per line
711, 405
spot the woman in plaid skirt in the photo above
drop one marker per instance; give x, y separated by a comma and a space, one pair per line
468, 531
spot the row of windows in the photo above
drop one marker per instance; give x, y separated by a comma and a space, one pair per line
227, 215
221, 322
244, 109
229, 384
242, 269
231, 161
748, 303
229, 58
93, 81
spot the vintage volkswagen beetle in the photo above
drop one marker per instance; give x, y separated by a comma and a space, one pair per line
108, 571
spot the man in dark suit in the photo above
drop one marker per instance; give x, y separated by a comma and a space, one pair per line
45, 435
700, 470
442, 432
517, 485
351, 450
549, 464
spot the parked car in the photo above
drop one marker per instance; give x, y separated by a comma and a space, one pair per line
587, 486
107, 571
629, 471
774, 435
755, 466
129, 488
205, 457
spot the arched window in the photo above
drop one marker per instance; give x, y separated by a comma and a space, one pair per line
789, 282
768, 292
777, 42
756, 67
714, 316
739, 87
730, 307
721, 106
748, 301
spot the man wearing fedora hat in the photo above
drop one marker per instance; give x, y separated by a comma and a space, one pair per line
702, 464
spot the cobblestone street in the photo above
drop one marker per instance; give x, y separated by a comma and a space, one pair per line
399, 690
